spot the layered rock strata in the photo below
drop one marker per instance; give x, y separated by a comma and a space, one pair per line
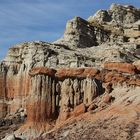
60, 80
61, 90
53, 92
80, 33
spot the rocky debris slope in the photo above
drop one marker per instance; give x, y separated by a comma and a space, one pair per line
81, 72
101, 129
11, 123
112, 119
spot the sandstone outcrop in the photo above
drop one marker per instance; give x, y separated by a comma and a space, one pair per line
79, 110
118, 15
137, 64
79, 33
77, 72
57, 95
121, 67
94, 67
55, 91
107, 99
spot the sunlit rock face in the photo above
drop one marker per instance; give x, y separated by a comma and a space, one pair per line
121, 67
94, 66
52, 92
79, 33
54, 96
57, 95
42, 105
3, 105
118, 14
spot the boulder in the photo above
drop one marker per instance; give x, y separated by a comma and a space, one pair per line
80, 109
137, 65
107, 98
10, 137
114, 78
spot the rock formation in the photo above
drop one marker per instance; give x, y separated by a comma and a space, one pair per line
59, 91
79, 33
92, 71
121, 67
118, 14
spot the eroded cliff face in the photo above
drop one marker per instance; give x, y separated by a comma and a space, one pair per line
58, 93
50, 83
80, 33
118, 14
53, 97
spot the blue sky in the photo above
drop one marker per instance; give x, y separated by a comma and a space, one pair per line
28, 20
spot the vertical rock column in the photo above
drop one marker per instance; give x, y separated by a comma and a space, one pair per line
41, 104
17, 87
3, 105
74, 92
90, 90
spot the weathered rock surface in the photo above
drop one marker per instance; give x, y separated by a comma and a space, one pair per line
120, 120
85, 72
121, 67
118, 14
79, 33
53, 99
59, 91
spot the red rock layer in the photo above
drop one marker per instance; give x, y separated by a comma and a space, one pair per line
76, 72
65, 72
3, 109
18, 87
14, 87
42, 70
121, 67
115, 78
